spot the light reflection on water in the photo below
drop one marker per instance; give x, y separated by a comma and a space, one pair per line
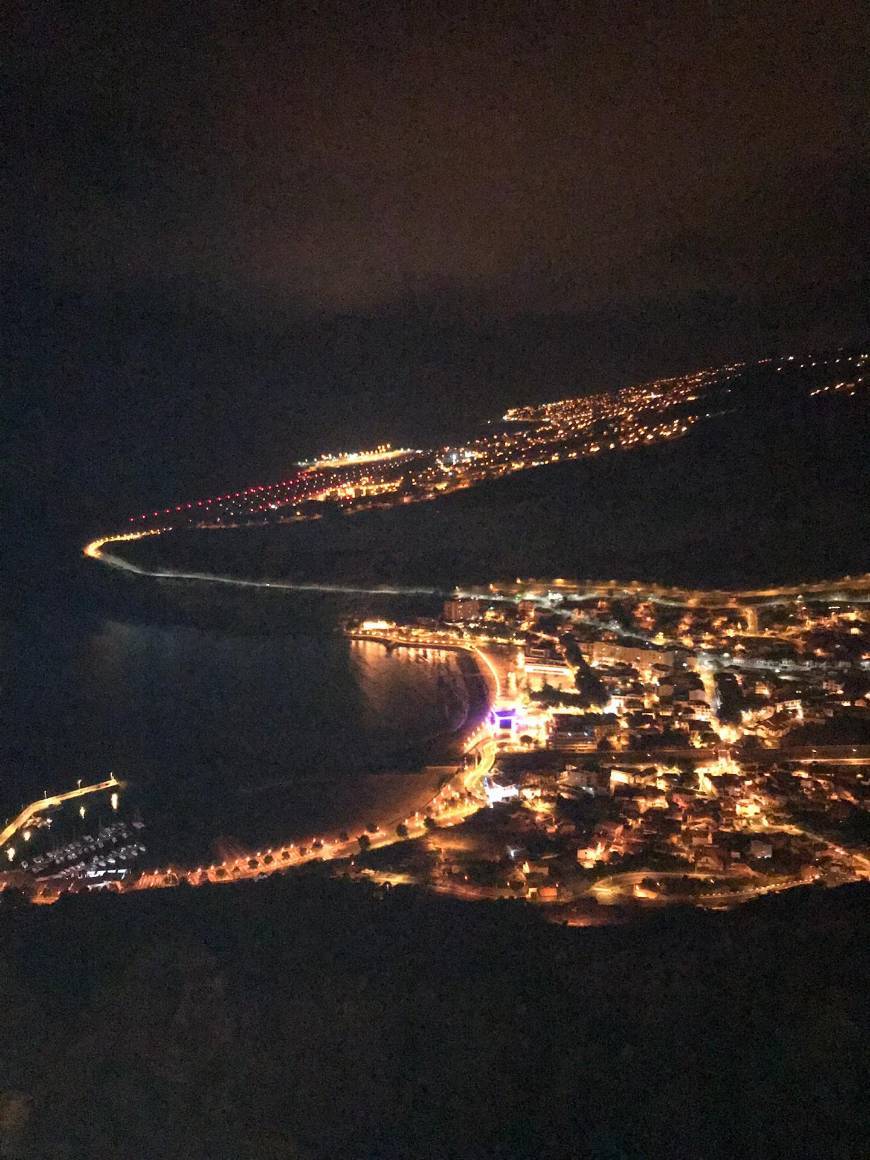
219, 732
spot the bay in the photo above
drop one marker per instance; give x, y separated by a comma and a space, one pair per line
227, 739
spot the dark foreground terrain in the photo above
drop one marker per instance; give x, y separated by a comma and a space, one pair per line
772, 492
307, 1018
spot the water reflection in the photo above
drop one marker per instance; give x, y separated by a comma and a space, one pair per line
219, 732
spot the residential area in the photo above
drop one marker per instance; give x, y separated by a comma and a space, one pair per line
654, 747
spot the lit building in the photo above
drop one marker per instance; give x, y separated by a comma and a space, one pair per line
496, 793
569, 731
558, 677
459, 610
623, 654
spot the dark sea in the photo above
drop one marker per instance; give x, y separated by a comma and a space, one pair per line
245, 733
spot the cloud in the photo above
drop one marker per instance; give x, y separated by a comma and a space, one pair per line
512, 158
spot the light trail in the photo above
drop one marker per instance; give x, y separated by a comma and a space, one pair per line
846, 589
94, 551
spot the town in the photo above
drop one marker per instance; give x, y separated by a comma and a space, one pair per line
642, 745
654, 746
638, 746
524, 438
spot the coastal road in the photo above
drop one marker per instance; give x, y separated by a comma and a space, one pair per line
459, 797
444, 809
854, 755
853, 589
94, 551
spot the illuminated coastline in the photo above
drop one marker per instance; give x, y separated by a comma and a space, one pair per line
767, 636
352, 458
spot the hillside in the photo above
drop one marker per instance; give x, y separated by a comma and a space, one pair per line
309, 1019
773, 489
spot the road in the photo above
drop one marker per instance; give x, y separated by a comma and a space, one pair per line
94, 551
848, 588
854, 589
620, 888
461, 795
449, 805
856, 755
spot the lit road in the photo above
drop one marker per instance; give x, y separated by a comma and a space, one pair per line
854, 589
627, 886
94, 551
462, 794
851, 589
457, 799
448, 807
854, 755
620, 888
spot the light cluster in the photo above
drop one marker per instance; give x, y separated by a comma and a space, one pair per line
845, 387
526, 437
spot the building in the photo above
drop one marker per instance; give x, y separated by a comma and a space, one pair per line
569, 731
554, 674
455, 611
609, 652
594, 780
496, 793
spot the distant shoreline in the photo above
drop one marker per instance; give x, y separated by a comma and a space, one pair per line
711, 594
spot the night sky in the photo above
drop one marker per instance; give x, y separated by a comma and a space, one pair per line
237, 234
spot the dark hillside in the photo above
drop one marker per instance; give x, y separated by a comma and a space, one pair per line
308, 1018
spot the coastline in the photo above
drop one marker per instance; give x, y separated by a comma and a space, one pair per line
476, 678
395, 792
853, 586
481, 696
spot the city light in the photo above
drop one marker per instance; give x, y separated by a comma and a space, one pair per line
660, 676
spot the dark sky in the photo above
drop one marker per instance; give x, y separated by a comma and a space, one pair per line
242, 232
